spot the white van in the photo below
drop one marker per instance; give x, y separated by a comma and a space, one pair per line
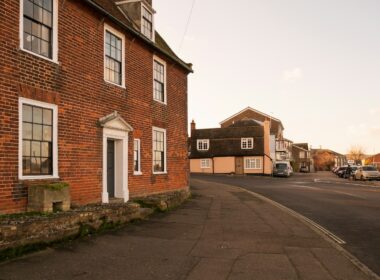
282, 169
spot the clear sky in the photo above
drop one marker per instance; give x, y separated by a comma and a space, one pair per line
313, 64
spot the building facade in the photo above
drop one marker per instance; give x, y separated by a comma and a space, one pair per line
91, 95
302, 160
241, 148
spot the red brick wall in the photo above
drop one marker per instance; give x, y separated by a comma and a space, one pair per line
76, 85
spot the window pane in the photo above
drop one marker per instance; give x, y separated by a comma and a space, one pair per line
36, 149
27, 131
45, 166
27, 26
37, 132
28, 8
48, 5
44, 48
45, 33
26, 169
27, 41
27, 113
37, 115
47, 134
37, 13
45, 149
26, 148
36, 29
35, 165
48, 119
35, 45
46, 18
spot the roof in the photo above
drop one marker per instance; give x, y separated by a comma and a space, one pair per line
314, 151
250, 113
110, 9
302, 145
227, 141
299, 148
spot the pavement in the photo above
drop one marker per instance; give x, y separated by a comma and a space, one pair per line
223, 232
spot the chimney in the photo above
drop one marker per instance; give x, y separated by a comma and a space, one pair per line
192, 125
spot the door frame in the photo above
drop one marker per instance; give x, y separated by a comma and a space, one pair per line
120, 139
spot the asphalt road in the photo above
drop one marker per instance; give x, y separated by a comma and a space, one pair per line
350, 210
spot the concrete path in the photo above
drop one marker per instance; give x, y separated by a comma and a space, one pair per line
221, 233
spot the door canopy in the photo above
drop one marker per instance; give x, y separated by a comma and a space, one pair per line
115, 121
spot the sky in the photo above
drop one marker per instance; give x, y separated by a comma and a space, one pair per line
315, 65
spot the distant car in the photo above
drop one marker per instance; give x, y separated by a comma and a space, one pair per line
282, 169
304, 169
340, 171
350, 174
367, 172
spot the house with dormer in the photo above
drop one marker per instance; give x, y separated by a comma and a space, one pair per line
240, 148
92, 95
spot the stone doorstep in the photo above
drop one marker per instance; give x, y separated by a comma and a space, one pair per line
29, 230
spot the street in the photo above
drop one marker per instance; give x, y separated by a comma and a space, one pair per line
350, 210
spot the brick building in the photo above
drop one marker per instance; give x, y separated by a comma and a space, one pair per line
91, 95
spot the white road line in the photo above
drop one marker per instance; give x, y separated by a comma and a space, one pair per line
305, 187
349, 194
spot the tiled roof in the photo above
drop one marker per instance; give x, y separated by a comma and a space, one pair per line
109, 8
227, 141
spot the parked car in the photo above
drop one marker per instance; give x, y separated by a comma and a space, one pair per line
282, 169
341, 170
349, 174
304, 169
367, 172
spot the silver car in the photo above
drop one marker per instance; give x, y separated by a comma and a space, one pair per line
367, 172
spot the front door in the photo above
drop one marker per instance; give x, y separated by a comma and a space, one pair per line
239, 165
111, 168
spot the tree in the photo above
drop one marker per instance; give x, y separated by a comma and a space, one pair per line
356, 153
323, 160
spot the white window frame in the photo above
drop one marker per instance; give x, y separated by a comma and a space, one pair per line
163, 62
54, 108
255, 163
165, 149
302, 154
54, 31
122, 37
205, 163
138, 141
150, 10
247, 141
203, 141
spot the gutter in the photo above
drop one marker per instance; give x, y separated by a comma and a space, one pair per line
114, 19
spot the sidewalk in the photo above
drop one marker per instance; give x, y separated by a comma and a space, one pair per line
221, 233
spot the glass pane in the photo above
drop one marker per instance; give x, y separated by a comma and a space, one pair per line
36, 149
45, 166
45, 33
108, 50
45, 149
37, 132
27, 26
113, 52
26, 148
37, 13
47, 135
44, 48
28, 8
39, 2
26, 166
46, 18
118, 44
27, 41
26, 113
35, 45
36, 30
48, 119
48, 5
35, 165
37, 115
27, 131
108, 38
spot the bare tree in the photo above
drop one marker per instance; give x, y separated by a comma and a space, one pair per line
356, 153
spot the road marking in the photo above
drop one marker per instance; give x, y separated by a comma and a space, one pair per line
306, 187
350, 194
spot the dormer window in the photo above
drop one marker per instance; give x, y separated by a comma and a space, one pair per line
203, 144
146, 22
247, 143
141, 14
